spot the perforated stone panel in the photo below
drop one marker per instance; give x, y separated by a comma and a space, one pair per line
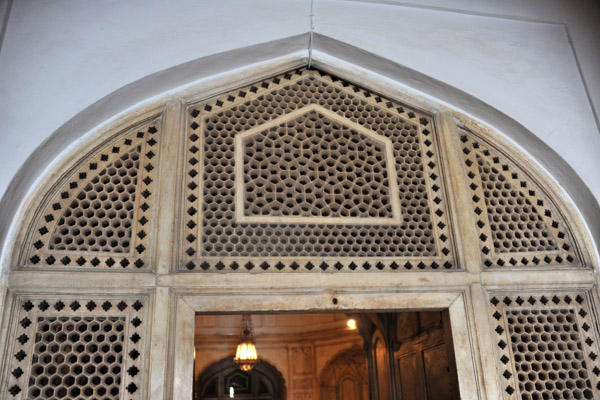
77, 348
77, 356
518, 224
215, 236
99, 218
547, 346
313, 168
101, 213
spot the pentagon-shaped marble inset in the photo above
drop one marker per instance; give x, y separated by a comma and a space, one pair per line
314, 166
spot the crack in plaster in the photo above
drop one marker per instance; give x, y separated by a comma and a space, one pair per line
310, 35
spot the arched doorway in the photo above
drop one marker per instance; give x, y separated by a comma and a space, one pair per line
224, 380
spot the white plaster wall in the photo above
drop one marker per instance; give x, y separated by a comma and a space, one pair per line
579, 19
535, 61
59, 57
526, 70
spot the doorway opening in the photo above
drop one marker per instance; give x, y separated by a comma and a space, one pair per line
328, 356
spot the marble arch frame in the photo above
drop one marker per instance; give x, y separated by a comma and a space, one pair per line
217, 73
180, 296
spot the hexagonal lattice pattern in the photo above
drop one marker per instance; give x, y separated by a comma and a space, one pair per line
517, 223
215, 239
562, 373
101, 213
547, 347
525, 230
77, 356
77, 348
313, 168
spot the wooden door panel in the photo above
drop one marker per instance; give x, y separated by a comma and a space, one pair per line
437, 373
424, 368
410, 368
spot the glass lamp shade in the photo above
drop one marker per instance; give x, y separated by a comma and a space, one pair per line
245, 356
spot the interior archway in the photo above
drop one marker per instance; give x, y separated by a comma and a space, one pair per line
346, 376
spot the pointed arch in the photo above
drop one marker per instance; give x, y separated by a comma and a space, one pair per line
346, 372
329, 55
448, 167
237, 212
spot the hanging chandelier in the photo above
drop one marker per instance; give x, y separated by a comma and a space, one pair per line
245, 355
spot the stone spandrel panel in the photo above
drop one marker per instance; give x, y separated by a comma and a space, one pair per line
101, 213
517, 223
72, 347
547, 346
329, 177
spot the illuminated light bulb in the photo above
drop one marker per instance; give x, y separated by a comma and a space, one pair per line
351, 324
245, 355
